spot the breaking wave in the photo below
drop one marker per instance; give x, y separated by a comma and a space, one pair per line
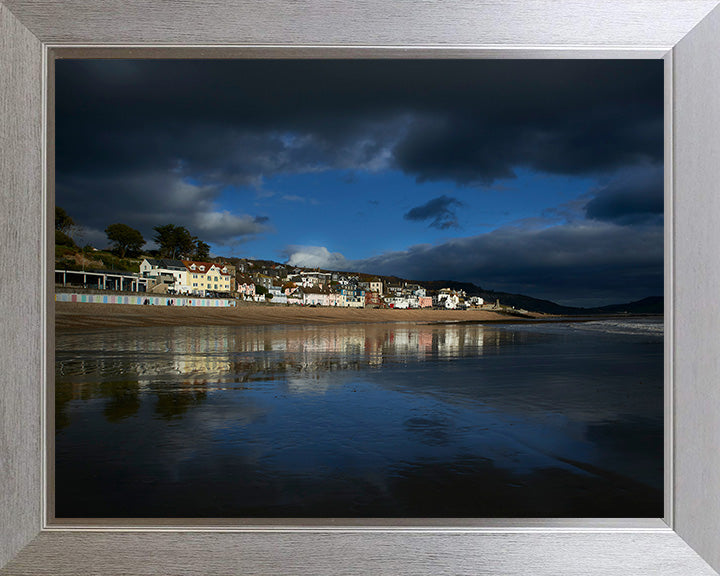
649, 326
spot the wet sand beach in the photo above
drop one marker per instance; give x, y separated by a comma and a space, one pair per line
78, 316
342, 420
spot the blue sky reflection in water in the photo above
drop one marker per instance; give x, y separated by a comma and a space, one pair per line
362, 420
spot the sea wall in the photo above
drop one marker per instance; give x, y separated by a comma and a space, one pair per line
144, 299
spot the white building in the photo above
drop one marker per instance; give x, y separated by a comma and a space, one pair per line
475, 301
310, 279
315, 297
449, 300
172, 273
354, 297
278, 295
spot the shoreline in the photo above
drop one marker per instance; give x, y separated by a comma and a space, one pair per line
82, 316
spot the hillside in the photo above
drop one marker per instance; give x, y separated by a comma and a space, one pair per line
649, 305
75, 259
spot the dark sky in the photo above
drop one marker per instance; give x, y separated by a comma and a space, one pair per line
529, 176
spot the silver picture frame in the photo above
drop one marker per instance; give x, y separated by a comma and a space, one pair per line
685, 33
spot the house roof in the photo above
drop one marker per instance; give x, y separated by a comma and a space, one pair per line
203, 267
166, 263
315, 290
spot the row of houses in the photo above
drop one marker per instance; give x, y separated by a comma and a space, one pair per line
294, 286
337, 290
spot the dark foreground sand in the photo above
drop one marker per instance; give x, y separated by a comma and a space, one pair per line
75, 315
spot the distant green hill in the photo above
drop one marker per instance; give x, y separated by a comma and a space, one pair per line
650, 305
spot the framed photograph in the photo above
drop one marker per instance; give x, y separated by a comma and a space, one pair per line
675, 529
301, 357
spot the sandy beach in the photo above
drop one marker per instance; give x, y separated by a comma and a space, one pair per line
78, 316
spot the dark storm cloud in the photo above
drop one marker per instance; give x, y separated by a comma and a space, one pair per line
462, 121
631, 198
148, 199
440, 211
580, 264
152, 142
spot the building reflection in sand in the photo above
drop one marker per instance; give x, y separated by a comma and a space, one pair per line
360, 420
195, 358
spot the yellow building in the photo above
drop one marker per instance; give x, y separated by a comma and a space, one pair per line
204, 277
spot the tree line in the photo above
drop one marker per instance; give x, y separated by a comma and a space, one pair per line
175, 242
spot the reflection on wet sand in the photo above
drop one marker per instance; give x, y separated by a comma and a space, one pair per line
211, 356
124, 397
199, 354
358, 420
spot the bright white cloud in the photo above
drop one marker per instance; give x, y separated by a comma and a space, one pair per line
315, 257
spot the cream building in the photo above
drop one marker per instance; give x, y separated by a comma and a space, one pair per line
376, 286
204, 277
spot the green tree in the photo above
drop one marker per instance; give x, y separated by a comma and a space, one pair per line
63, 222
125, 239
175, 241
202, 250
62, 239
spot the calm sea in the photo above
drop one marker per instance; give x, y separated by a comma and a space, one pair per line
395, 420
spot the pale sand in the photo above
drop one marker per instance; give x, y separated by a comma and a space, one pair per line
75, 315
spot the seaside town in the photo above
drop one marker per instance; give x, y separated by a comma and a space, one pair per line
182, 273
191, 282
